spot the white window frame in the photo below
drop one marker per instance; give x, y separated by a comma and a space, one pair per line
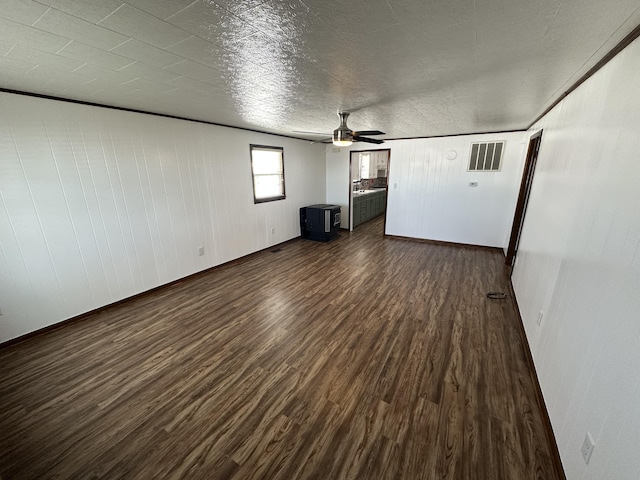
280, 173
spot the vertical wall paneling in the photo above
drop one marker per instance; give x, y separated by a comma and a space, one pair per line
579, 264
429, 196
337, 174
97, 205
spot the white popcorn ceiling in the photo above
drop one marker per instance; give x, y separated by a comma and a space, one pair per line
408, 67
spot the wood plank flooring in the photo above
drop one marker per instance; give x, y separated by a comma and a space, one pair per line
365, 358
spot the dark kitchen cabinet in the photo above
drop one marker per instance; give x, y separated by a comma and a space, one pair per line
369, 205
356, 211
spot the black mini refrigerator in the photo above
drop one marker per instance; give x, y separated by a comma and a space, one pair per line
320, 222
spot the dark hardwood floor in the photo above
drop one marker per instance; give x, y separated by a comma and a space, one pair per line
365, 357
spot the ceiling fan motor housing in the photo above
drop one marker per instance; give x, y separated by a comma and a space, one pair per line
342, 133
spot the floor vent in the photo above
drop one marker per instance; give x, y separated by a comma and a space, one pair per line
486, 156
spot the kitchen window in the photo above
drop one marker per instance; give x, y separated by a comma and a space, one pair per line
267, 169
365, 158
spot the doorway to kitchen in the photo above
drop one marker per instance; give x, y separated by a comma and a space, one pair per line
368, 184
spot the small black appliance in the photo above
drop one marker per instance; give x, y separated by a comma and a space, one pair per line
320, 222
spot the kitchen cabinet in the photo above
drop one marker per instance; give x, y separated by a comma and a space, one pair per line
378, 165
368, 205
372, 164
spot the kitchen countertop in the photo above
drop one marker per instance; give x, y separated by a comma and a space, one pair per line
361, 193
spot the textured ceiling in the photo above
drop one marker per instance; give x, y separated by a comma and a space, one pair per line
407, 67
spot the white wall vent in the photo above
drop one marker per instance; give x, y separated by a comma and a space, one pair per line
486, 156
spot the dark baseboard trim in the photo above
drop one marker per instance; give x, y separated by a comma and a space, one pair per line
443, 243
557, 461
83, 316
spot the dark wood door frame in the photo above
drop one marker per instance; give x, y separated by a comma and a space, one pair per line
523, 196
351, 158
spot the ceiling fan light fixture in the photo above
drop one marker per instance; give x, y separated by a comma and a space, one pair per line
342, 136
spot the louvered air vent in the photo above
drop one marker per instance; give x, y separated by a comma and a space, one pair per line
486, 156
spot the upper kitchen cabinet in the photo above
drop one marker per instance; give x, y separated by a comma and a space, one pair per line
373, 164
378, 164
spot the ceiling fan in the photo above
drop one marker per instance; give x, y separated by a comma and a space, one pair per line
343, 136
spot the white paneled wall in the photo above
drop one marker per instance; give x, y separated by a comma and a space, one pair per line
338, 184
97, 205
429, 195
579, 264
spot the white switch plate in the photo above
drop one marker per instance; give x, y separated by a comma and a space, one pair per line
200, 251
273, 231
540, 315
587, 448
473, 184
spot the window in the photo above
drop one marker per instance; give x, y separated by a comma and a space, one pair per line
267, 168
364, 165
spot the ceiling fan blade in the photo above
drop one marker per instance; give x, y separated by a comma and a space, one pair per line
322, 140
368, 132
357, 138
324, 134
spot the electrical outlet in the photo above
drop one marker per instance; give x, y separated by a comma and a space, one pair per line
540, 315
473, 184
587, 448
200, 251
273, 231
